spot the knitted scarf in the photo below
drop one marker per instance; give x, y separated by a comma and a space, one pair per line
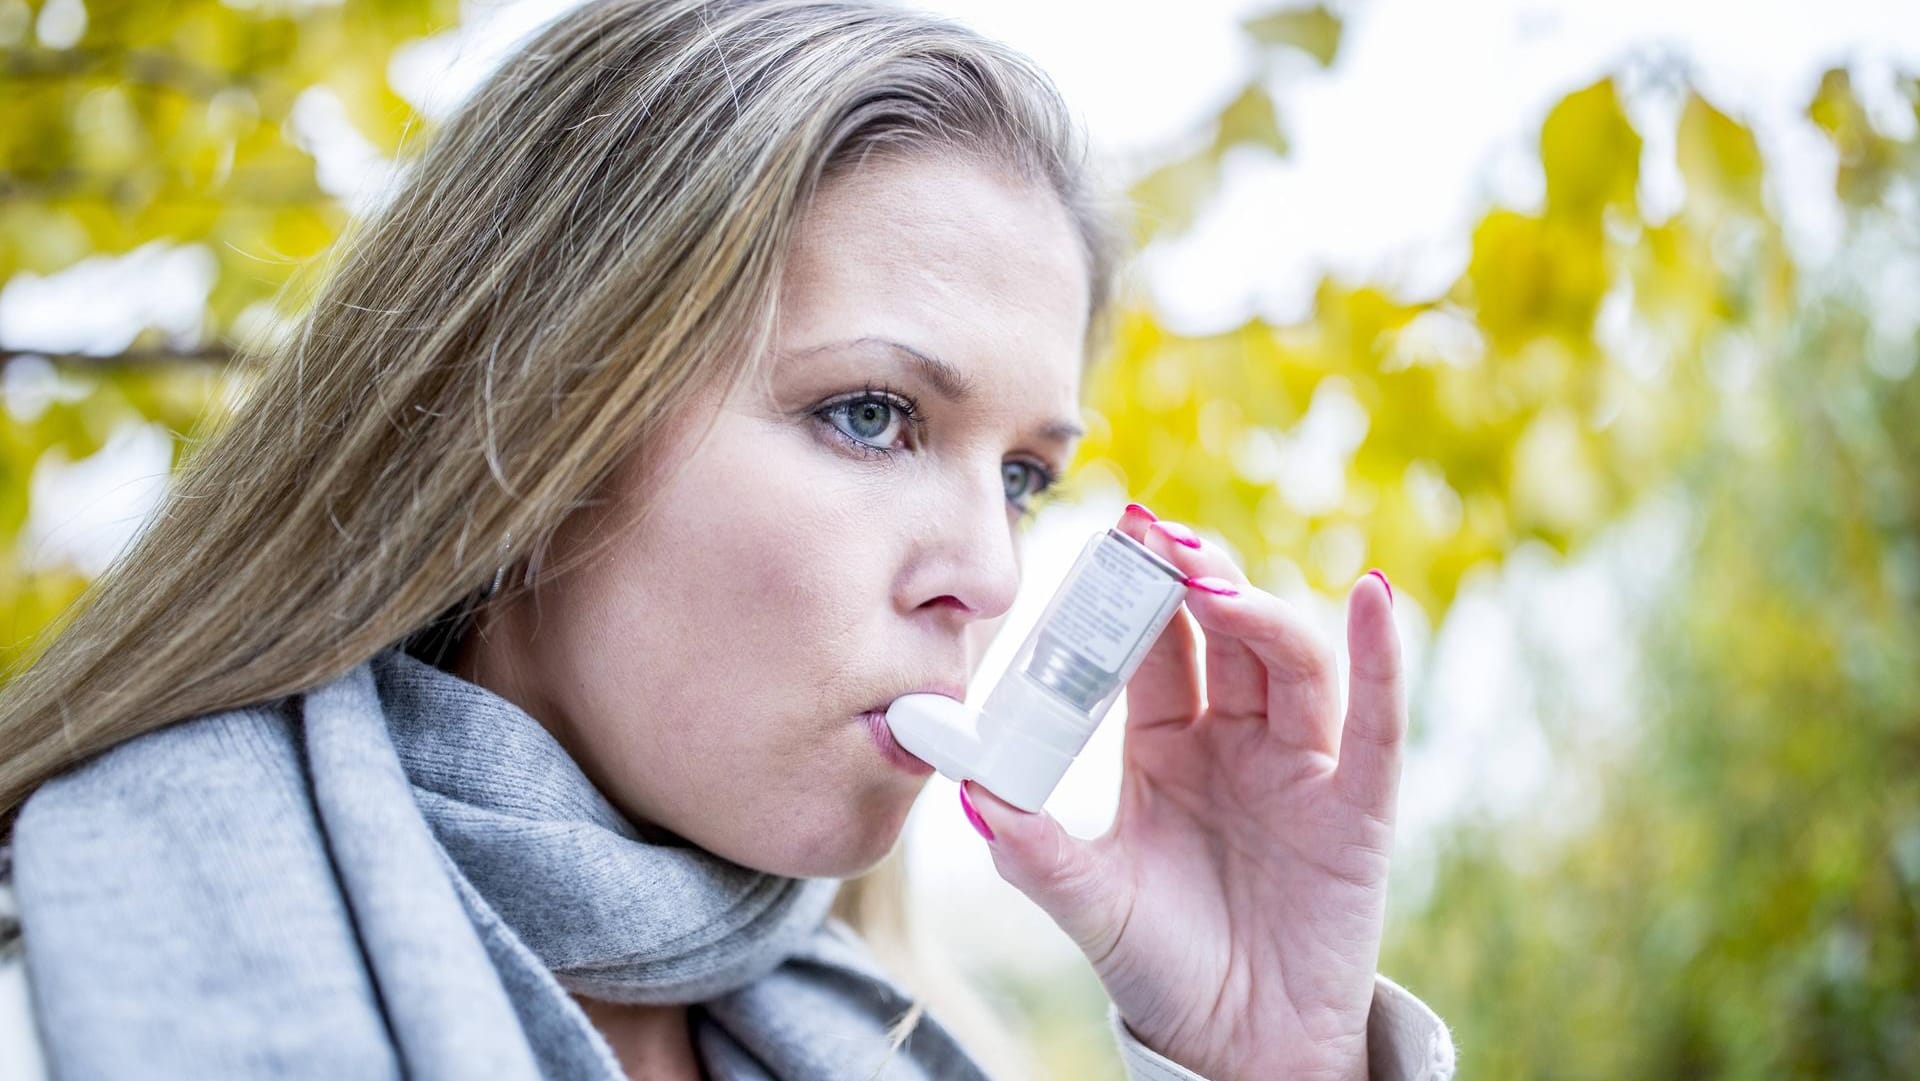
402, 874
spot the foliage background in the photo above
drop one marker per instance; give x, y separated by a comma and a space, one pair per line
1726, 428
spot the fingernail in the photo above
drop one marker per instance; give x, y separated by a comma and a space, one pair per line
973, 816
1135, 508
1178, 533
1380, 574
1214, 585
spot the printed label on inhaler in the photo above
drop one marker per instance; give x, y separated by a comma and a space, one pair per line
1107, 608
1112, 606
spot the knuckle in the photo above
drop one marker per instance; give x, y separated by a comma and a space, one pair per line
1296, 654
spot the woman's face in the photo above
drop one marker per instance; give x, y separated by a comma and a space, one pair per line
837, 537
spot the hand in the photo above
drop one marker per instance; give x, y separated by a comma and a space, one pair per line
1233, 912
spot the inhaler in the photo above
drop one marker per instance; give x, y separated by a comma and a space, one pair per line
1109, 610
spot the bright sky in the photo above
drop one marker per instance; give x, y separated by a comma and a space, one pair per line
1427, 117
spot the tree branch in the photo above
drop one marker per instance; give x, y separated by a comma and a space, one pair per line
132, 358
139, 66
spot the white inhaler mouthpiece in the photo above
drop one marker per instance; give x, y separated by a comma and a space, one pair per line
1109, 610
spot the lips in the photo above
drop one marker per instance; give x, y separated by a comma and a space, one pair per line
955, 691
890, 749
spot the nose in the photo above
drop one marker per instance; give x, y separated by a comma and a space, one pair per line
968, 562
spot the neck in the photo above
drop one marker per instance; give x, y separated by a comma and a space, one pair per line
649, 1041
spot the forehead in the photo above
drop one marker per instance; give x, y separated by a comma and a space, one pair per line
961, 258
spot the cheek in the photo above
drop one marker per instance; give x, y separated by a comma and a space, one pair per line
711, 659
758, 543
741, 607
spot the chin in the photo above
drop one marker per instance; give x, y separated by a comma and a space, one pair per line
843, 847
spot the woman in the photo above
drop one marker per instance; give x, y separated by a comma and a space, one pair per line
677, 412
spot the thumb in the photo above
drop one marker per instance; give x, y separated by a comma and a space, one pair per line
1070, 879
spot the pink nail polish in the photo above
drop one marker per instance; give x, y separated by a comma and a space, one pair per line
1380, 574
1178, 533
1135, 508
973, 816
1210, 584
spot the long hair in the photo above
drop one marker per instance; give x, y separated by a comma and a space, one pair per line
592, 241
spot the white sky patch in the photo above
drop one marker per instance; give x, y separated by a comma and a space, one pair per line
85, 512
100, 304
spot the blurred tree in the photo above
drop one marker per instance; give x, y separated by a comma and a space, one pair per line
125, 125
1496, 414
1746, 901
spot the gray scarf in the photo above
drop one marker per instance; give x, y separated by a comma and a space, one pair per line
401, 874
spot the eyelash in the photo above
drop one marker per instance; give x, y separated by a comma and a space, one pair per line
1046, 478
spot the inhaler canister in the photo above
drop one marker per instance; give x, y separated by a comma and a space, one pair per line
1092, 636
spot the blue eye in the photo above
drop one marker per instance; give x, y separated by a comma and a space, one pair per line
872, 421
869, 417
1024, 481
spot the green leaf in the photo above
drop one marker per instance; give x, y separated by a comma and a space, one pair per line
1868, 159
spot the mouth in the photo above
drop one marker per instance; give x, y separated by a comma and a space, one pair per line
951, 689
890, 749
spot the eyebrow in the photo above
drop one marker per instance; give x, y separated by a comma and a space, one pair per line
947, 380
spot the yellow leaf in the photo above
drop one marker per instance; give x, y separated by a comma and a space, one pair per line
1591, 154
1250, 118
1718, 156
1166, 199
1536, 277
1314, 31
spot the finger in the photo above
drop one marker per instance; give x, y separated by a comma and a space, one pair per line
1236, 681
1299, 677
1376, 725
1070, 879
1297, 686
1165, 689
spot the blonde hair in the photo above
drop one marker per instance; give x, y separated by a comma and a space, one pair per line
593, 240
